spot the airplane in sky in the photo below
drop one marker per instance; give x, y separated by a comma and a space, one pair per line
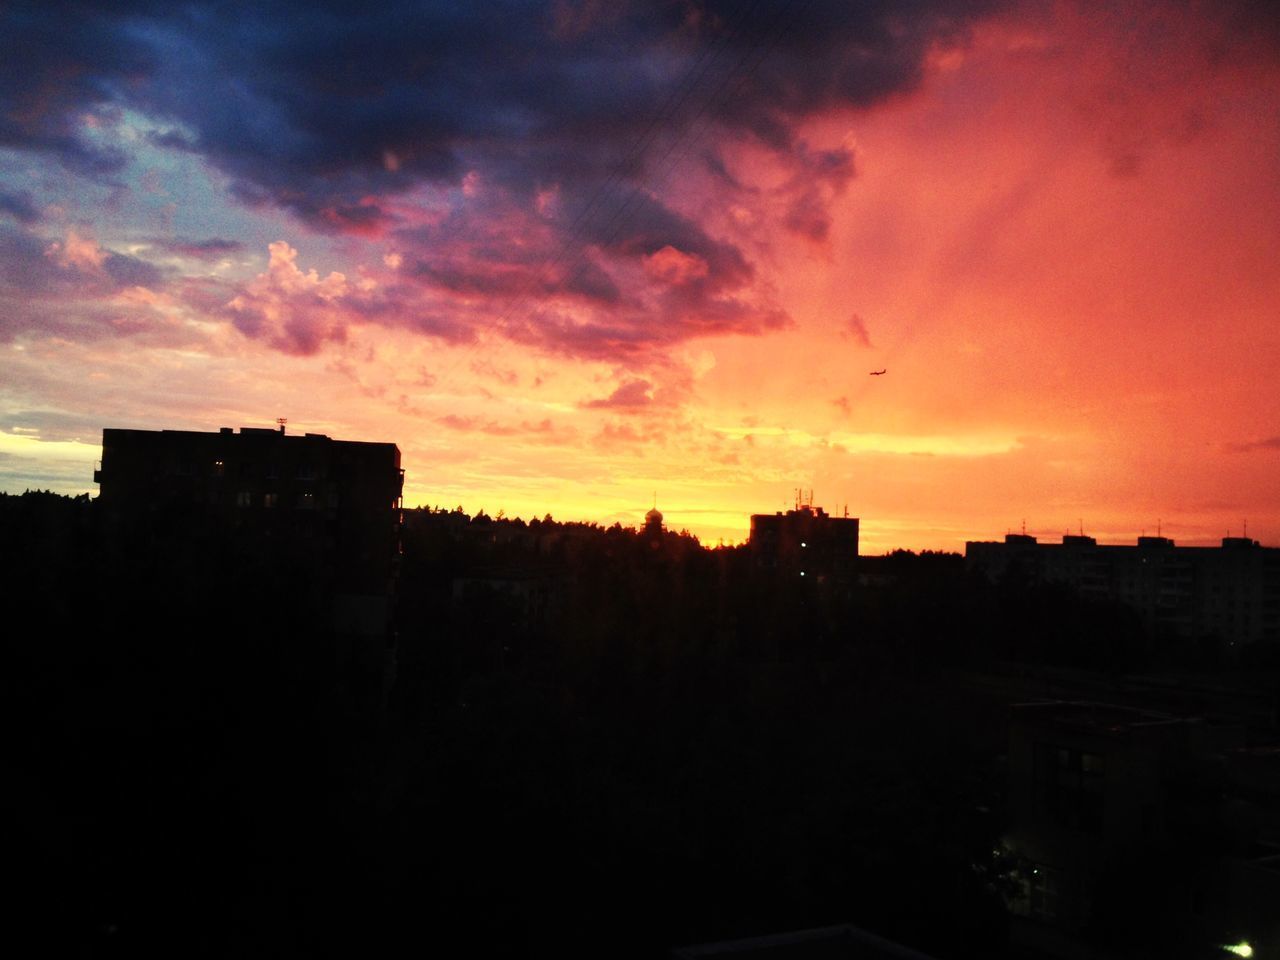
879, 373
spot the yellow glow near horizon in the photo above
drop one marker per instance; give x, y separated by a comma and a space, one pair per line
20, 445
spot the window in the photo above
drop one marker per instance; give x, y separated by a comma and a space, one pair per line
219, 468
306, 501
244, 499
270, 500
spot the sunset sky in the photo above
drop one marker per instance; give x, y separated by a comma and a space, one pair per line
569, 255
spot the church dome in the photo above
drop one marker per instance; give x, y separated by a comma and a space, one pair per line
653, 517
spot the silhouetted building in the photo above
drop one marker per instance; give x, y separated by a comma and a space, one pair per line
804, 542
653, 523
316, 516
1231, 592
261, 482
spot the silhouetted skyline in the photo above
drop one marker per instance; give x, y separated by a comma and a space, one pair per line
569, 254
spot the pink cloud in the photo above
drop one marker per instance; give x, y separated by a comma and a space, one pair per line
293, 311
79, 253
675, 267
629, 396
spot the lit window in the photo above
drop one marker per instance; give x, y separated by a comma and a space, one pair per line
306, 501
219, 468
270, 499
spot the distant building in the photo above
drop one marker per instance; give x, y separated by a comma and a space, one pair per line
804, 542
261, 481
653, 523
1231, 592
317, 513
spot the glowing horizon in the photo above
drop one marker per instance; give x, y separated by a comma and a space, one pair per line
615, 262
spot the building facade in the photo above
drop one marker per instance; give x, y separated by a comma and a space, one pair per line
1231, 591
804, 542
342, 495
312, 521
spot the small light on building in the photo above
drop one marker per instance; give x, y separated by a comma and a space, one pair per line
803, 544
802, 573
1241, 949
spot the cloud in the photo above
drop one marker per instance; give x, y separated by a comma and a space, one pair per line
533, 429
1256, 446
820, 176
213, 248
79, 253
671, 266
292, 311
69, 287
521, 165
613, 435
632, 395
855, 328
541, 136
19, 205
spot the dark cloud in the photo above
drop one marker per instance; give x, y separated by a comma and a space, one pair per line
127, 271
807, 216
58, 60
24, 268
548, 129
317, 106
211, 249
52, 424
19, 205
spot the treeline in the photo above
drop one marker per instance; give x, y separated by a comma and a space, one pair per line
594, 740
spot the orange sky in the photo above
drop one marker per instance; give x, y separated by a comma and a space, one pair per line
1062, 243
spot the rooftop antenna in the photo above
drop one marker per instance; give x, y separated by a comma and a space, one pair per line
1024, 526
1245, 534
1159, 528
280, 422
1080, 520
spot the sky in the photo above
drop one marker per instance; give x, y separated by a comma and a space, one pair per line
581, 256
